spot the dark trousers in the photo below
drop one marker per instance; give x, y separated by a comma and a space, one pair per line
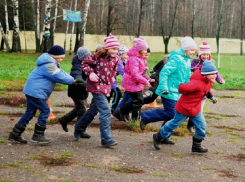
117, 96
134, 105
150, 99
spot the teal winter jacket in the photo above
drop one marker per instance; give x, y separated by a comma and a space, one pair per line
175, 72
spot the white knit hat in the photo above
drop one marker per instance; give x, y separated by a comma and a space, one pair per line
204, 49
122, 49
187, 43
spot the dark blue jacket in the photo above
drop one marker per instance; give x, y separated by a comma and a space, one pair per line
77, 91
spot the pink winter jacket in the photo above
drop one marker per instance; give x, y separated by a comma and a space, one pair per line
134, 77
104, 68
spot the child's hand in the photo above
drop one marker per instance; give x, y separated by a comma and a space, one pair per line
148, 85
93, 77
146, 68
152, 80
222, 82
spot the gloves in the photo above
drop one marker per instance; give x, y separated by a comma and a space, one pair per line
165, 92
214, 100
80, 82
148, 93
93, 77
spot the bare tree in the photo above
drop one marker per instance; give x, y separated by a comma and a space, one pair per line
16, 31
67, 27
242, 26
55, 20
6, 20
4, 37
72, 30
46, 34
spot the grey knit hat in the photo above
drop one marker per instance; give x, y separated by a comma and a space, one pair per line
83, 53
122, 49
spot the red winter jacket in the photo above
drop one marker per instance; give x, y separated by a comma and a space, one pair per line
105, 69
193, 92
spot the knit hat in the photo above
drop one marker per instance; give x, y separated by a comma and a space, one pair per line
56, 51
140, 43
187, 43
122, 49
83, 53
111, 42
204, 49
98, 46
208, 68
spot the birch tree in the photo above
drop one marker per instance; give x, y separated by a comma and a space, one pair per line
242, 26
72, 30
55, 20
67, 28
16, 46
84, 22
4, 37
46, 33
6, 20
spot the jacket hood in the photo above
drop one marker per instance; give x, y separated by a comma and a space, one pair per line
44, 59
133, 52
197, 76
179, 52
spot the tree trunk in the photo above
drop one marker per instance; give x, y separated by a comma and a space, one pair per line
16, 46
84, 22
67, 28
139, 23
109, 18
152, 16
6, 20
46, 35
55, 19
242, 25
219, 16
4, 37
72, 30
193, 18
38, 48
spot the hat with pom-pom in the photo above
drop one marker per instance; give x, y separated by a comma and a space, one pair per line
204, 49
111, 42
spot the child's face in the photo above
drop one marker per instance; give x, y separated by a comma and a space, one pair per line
190, 53
58, 59
146, 56
142, 52
204, 56
112, 52
124, 57
211, 78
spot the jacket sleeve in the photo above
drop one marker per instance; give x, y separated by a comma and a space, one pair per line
134, 70
55, 74
115, 70
218, 78
120, 69
188, 74
88, 64
167, 70
189, 87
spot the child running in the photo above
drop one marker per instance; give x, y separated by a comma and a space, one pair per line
77, 92
204, 54
120, 71
38, 88
101, 68
135, 78
189, 105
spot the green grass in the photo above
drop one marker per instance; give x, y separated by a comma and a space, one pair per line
15, 68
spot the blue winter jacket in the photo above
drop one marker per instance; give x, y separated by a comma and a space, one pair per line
175, 72
41, 81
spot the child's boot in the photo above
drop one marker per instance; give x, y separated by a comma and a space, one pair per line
38, 136
196, 146
64, 120
157, 140
16, 134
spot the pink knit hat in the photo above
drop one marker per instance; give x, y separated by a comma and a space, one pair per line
204, 49
111, 42
140, 43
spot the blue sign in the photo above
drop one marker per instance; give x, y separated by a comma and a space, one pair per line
73, 16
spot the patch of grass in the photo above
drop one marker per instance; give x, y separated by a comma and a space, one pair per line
41, 175
125, 170
29, 169
65, 155
233, 140
3, 141
181, 131
132, 134
206, 109
217, 152
3, 113
35, 157
174, 138
209, 132
31, 127
207, 168
93, 166
168, 175
14, 164
6, 180
177, 155
243, 147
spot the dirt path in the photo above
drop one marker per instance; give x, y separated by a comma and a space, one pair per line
135, 158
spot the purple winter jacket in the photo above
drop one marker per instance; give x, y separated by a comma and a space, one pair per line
196, 63
120, 71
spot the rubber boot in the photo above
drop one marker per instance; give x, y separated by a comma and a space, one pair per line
38, 136
157, 140
64, 120
15, 135
196, 146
